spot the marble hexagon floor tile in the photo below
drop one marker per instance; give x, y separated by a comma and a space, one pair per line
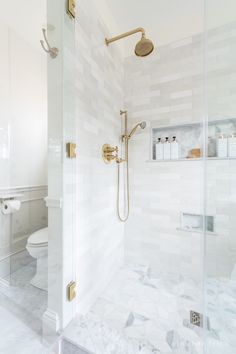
143, 313
136, 313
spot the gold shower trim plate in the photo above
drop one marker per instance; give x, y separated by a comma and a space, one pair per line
110, 153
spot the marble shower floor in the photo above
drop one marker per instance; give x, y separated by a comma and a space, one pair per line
21, 309
140, 312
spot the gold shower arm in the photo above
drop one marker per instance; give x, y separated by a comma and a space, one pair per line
126, 34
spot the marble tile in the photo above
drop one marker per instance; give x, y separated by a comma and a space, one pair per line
21, 308
138, 313
142, 313
99, 98
18, 334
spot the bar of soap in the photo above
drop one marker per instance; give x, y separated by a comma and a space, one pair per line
194, 153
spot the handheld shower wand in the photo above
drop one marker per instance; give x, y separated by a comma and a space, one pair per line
125, 138
111, 153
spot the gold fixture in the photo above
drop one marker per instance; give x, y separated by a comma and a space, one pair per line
71, 8
71, 293
125, 139
110, 154
143, 48
71, 150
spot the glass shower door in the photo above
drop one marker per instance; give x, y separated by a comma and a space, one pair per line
37, 121
220, 262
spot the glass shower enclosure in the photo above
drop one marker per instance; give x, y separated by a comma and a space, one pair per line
220, 177
36, 124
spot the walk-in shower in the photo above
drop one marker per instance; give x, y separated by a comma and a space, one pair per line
139, 256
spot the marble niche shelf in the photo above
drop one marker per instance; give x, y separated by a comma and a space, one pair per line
193, 159
190, 136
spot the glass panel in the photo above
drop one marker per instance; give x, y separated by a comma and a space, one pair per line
23, 177
140, 280
220, 321
37, 121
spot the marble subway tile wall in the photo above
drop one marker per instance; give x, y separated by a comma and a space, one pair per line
221, 175
99, 98
166, 89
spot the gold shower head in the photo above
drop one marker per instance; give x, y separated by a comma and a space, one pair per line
143, 48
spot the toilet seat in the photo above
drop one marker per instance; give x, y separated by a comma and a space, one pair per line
39, 238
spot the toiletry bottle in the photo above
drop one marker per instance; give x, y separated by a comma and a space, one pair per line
232, 145
174, 149
211, 148
166, 148
222, 146
159, 149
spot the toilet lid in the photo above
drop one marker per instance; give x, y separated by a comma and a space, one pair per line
39, 237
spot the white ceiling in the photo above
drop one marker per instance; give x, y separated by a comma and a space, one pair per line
166, 21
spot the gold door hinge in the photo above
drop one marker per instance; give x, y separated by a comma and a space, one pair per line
71, 8
71, 293
71, 150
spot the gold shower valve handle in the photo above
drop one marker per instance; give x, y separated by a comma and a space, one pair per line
110, 149
109, 153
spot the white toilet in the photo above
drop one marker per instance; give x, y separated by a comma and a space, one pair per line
37, 246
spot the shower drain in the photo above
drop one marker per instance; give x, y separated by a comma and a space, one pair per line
197, 319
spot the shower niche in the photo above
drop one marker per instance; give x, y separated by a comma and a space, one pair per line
189, 139
190, 222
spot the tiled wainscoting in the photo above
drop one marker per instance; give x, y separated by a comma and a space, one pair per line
15, 228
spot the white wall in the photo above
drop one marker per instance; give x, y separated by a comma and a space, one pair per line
99, 95
23, 112
23, 137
